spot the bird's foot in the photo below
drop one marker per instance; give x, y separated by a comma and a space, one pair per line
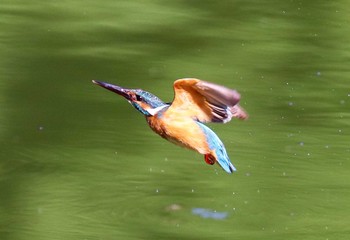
209, 159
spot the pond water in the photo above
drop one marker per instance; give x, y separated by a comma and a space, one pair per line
78, 162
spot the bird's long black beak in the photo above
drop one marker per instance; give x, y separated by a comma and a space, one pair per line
118, 90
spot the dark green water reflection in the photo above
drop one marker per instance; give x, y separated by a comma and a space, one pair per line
78, 162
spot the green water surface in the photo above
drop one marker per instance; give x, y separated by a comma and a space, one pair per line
78, 162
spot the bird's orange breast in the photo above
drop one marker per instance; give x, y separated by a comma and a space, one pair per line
179, 130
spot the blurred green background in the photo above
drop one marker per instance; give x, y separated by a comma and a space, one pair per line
78, 162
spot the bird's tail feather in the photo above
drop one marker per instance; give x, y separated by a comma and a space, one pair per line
217, 149
223, 160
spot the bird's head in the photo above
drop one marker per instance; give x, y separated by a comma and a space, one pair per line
145, 102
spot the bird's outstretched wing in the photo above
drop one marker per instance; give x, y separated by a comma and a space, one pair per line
205, 102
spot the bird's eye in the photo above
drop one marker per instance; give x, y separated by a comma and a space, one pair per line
138, 98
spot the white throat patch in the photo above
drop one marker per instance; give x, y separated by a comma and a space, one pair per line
154, 111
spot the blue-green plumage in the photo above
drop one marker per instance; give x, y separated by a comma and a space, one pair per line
219, 148
147, 98
150, 99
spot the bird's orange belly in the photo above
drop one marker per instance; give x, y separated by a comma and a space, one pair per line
185, 133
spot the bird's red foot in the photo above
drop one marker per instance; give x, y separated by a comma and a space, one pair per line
210, 159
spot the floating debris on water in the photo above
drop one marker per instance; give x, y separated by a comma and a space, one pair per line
173, 207
208, 213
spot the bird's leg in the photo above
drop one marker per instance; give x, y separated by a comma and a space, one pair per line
209, 159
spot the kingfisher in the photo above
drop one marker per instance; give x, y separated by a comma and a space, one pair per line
182, 121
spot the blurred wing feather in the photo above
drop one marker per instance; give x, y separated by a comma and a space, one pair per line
205, 102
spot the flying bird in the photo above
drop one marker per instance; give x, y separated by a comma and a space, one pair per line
182, 121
